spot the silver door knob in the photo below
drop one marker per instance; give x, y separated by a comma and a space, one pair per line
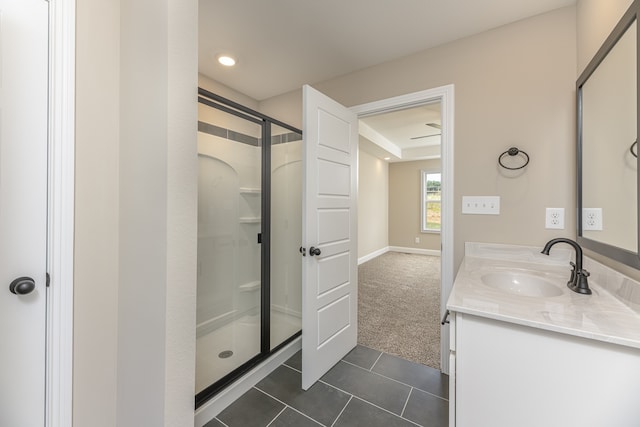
22, 286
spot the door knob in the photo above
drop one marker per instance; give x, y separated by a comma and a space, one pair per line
314, 251
22, 286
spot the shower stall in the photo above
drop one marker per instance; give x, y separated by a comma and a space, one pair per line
249, 231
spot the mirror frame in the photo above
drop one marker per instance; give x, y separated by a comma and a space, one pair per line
624, 256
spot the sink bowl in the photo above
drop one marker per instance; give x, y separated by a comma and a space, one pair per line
522, 284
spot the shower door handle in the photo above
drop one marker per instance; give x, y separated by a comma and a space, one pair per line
314, 251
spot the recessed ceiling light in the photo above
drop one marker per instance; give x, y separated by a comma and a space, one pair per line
387, 158
227, 60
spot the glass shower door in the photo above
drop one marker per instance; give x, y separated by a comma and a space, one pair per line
229, 253
249, 230
286, 234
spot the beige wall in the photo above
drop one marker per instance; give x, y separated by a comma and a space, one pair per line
96, 214
373, 201
405, 205
225, 91
135, 216
595, 21
514, 85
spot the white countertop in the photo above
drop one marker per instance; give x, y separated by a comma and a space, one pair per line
600, 316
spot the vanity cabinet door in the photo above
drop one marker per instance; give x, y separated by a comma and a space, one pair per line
452, 369
510, 375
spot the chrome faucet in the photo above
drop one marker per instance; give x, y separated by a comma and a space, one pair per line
578, 281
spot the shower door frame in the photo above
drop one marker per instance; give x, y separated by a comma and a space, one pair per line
228, 106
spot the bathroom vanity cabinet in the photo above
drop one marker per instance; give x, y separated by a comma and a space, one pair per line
503, 374
526, 351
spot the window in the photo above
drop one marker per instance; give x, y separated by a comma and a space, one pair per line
431, 201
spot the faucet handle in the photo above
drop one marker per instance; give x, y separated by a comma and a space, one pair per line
572, 279
582, 282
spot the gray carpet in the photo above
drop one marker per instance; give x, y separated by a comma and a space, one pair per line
399, 306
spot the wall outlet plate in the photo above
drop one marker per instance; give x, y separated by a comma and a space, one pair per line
592, 219
554, 218
481, 205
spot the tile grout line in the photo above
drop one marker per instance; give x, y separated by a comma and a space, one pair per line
366, 401
274, 418
379, 374
376, 362
288, 406
388, 411
406, 402
411, 388
345, 407
292, 368
393, 379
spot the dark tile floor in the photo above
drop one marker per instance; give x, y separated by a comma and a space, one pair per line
366, 388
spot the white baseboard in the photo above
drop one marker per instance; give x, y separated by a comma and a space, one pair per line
419, 251
226, 397
373, 255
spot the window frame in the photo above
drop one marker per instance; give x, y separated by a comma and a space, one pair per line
424, 174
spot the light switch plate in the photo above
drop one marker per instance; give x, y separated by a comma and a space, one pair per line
481, 205
554, 218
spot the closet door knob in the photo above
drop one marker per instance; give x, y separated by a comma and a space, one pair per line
314, 251
22, 286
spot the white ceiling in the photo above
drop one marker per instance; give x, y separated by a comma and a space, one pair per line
282, 44
409, 128
403, 135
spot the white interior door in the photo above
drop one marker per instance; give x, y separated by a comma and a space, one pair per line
23, 210
329, 271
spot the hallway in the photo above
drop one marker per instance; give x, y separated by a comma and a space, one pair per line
366, 388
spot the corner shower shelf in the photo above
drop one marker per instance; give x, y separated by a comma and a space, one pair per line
248, 190
250, 286
250, 220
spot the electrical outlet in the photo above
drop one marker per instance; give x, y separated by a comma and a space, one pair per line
554, 218
592, 219
417, 239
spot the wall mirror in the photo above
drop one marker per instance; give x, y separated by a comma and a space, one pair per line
607, 96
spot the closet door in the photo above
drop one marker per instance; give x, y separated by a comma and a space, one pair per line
23, 210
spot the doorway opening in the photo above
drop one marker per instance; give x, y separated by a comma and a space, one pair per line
424, 106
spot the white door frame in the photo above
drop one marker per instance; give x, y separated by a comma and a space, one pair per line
444, 94
61, 160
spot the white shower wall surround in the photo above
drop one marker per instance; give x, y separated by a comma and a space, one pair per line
286, 228
229, 199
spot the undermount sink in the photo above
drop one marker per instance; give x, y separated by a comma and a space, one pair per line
521, 284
